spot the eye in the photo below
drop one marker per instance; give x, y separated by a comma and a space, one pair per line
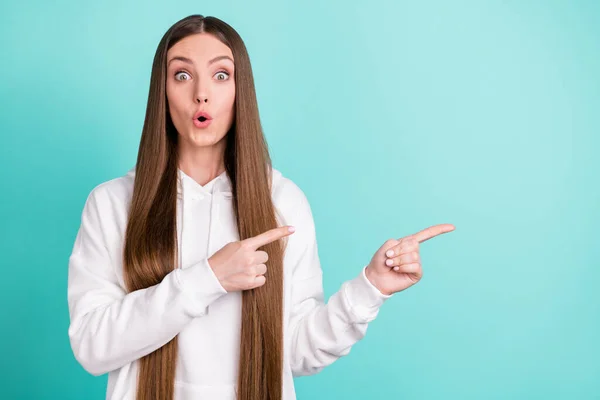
222, 73
178, 74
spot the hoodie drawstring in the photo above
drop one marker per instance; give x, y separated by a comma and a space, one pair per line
182, 223
210, 220
213, 225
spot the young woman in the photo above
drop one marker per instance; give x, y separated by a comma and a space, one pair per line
185, 281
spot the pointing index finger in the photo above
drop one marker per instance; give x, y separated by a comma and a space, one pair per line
270, 236
433, 231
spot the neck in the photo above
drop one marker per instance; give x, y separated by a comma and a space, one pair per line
202, 164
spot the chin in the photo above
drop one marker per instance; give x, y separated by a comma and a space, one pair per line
203, 137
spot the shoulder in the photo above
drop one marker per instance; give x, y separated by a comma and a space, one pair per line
287, 194
114, 194
117, 190
293, 208
107, 205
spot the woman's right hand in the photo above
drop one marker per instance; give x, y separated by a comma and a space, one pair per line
240, 266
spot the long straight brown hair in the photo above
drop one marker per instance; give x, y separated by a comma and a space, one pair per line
150, 250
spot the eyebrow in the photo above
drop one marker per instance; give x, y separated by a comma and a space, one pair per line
188, 61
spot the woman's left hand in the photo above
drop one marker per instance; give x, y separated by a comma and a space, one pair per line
397, 265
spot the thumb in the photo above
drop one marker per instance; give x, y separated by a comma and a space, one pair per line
390, 243
378, 260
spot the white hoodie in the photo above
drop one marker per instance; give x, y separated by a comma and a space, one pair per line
111, 329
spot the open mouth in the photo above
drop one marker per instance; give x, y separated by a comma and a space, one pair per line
202, 119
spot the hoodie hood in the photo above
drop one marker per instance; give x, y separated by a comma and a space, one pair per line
188, 190
220, 184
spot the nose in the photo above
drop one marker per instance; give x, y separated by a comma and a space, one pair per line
201, 93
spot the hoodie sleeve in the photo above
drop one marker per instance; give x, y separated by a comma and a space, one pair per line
323, 332
110, 328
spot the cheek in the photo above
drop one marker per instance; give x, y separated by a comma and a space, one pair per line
232, 95
229, 100
174, 98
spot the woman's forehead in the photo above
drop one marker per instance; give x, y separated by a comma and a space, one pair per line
201, 47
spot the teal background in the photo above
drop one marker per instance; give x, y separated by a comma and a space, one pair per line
392, 117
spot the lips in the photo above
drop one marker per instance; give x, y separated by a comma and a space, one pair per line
202, 116
202, 119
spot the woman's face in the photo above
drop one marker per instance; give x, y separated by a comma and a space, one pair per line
199, 68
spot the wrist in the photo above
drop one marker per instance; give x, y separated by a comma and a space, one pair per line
372, 277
